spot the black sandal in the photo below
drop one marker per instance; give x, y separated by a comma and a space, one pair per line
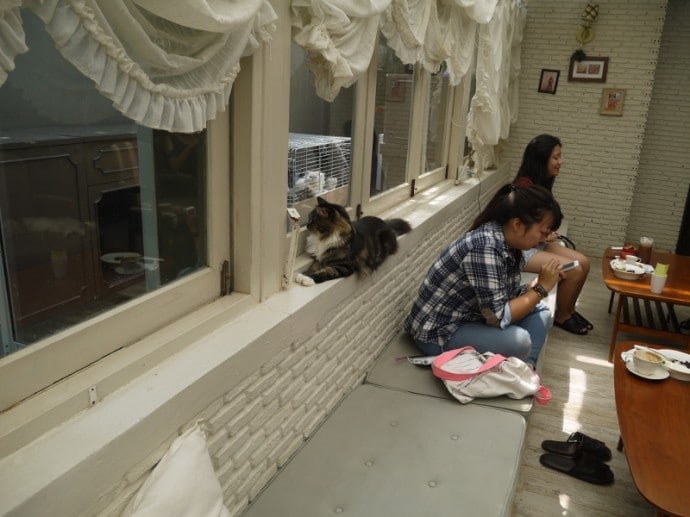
572, 325
583, 321
576, 444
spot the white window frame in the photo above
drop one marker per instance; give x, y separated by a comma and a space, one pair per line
43, 363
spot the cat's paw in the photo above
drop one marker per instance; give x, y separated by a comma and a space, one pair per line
304, 280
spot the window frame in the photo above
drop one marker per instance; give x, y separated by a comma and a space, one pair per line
45, 362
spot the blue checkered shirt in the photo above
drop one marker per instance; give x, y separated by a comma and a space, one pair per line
471, 281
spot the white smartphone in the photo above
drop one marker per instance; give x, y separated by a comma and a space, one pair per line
570, 265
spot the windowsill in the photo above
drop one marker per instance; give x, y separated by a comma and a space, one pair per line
179, 364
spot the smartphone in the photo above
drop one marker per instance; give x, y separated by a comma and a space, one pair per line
570, 265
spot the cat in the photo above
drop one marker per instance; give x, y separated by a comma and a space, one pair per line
341, 247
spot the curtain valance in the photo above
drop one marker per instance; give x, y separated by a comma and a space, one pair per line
167, 64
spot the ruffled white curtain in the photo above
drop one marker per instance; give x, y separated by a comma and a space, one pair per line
339, 36
166, 64
495, 103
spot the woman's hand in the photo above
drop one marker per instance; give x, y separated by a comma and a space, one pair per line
550, 274
552, 237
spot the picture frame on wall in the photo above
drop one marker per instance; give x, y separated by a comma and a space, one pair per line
548, 82
612, 100
589, 69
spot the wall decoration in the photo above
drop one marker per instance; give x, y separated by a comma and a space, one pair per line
612, 101
589, 69
548, 81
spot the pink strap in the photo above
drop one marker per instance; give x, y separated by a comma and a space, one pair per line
450, 354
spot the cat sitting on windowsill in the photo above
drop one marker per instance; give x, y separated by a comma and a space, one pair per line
341, 247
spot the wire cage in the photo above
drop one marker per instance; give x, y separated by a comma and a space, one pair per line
316, 164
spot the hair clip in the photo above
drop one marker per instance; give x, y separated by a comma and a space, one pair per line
514, 187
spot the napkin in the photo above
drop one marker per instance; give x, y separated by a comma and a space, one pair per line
661, 269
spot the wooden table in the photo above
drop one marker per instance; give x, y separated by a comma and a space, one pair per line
641, 311
654, 420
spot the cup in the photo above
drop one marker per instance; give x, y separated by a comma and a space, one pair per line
646, 361
658, 282
632, 259
645, 251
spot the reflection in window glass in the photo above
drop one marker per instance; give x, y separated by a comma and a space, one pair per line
394, 98
439, 89
319, 149
94, 210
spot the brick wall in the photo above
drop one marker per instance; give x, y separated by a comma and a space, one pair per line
602, 154
664, 175
256, 427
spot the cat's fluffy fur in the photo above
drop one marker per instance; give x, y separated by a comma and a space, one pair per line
341, 247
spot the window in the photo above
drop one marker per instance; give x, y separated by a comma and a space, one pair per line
96, 214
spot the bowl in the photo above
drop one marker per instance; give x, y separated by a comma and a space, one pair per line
626, 271
677, 363
647, 361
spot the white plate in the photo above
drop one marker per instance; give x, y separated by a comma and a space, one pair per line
116, 258
627, 271
656, 375
677, 370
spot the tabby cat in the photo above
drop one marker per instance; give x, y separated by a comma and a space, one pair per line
341, 247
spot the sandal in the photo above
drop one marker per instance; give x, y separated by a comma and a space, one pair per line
572, 325
583, 321
586, 467
576, 444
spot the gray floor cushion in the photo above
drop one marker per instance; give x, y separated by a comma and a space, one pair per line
401, 375
390, 453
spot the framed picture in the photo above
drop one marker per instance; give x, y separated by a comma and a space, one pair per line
612, 101
548, 81
590, 69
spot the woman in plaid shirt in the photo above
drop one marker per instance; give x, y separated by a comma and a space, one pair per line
472, 295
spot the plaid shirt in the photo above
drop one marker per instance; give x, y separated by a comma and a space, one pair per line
471, 281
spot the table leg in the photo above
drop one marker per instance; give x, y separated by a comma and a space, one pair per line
614, 332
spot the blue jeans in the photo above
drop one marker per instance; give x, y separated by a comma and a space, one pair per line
523, 339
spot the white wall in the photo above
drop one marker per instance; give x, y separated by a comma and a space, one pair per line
602, 153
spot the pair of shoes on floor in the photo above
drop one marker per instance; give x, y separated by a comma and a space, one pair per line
572, 325
581, 457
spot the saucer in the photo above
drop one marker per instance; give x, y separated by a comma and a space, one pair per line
657, 375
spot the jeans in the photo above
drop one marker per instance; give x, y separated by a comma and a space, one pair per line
523, 339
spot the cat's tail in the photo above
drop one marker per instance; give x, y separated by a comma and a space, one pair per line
399, 226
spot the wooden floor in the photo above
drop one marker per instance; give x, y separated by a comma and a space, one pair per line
580, 378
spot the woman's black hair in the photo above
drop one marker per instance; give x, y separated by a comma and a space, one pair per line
529, 204
535, 160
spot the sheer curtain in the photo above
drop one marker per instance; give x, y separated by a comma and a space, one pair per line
340, 34
166, 64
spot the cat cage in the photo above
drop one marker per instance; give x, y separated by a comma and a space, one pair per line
316, 164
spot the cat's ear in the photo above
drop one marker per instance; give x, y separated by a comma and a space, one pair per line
321, 201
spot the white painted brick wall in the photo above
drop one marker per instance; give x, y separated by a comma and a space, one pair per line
601, 153
263, 421
664, 175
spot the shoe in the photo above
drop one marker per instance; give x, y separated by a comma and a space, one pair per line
584, 322
571, 325
586, 467
576, 445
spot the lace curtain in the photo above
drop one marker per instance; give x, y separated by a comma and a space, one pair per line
340, 35
166, 64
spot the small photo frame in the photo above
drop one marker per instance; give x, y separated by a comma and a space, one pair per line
548, 81
590, 69
612, 100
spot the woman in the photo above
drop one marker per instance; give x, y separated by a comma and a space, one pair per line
541, 163
472, 293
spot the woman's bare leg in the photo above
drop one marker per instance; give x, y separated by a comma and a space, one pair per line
570, 287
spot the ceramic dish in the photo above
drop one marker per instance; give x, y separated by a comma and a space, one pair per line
657, 375
117, 258
627, 271
673, 362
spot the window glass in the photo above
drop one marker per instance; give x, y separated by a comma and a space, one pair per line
94, 210
319, 149
393, 113
439, 91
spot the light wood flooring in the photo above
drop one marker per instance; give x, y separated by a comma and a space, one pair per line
580, 378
